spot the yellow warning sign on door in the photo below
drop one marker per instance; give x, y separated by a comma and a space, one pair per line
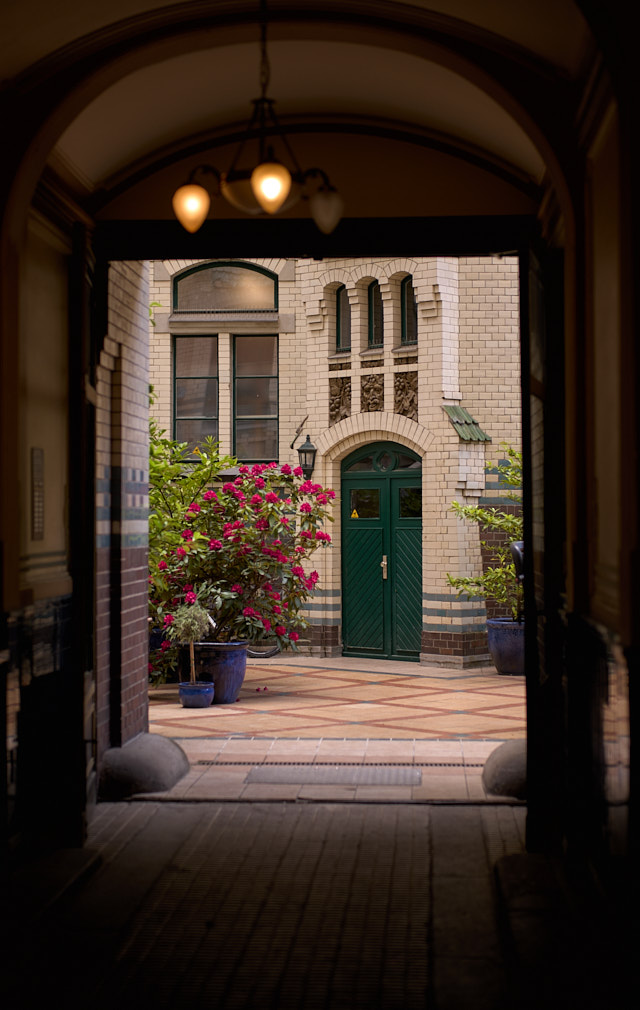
354, 515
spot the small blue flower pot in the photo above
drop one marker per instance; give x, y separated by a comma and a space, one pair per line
196, 695
222, 663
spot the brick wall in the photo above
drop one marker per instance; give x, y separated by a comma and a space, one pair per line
122, 505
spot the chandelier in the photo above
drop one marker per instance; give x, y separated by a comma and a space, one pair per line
270, 186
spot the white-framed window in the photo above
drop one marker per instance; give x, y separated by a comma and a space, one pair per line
195, 388
255, 397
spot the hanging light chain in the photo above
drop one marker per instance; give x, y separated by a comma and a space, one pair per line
270, 180
265, 69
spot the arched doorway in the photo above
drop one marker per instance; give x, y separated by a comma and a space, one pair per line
381, 552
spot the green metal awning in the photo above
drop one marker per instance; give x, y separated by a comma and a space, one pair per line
466, 426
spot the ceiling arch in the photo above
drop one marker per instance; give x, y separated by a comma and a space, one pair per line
132, 94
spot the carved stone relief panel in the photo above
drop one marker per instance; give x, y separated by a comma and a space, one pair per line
406, 394
372, 392
339, 399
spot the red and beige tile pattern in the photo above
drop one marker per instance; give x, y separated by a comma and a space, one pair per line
339, 716
305, 698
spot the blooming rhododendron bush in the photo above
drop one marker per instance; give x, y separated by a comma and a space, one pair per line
235, 549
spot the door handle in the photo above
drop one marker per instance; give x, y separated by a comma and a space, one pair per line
383, 565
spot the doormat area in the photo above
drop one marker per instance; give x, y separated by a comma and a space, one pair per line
329, 775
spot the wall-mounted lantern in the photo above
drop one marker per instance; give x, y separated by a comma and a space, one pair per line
307, 456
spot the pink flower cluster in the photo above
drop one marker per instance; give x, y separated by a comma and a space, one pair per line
252, 522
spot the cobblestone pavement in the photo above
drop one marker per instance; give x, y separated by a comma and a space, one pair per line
280, 905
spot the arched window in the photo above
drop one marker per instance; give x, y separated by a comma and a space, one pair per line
343, 320
226, 293
376, 322
408, 312
221, 287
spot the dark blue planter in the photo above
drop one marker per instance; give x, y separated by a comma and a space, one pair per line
196, 695
506, 645
156, 638
222, 663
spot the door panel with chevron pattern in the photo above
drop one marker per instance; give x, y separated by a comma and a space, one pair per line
406, 584
382, 553
363, 549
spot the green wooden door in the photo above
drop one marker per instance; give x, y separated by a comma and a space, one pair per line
381, 552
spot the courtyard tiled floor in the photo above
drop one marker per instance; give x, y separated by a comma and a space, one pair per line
350, 730
308, 698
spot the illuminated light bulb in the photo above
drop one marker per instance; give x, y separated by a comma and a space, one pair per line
191, 205
271, 183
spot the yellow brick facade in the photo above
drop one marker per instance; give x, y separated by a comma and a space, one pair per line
467, 353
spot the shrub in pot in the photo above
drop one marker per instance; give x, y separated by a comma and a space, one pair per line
236, 548
190, 622
499, 582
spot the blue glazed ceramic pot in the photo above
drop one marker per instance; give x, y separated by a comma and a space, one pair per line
196, 695
506, 645
224, 664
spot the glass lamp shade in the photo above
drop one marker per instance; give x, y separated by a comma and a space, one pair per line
307, 457
271, 182
326, 206
191, 205
237, 190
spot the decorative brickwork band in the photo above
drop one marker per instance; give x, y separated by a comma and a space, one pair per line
324, 640
466, 646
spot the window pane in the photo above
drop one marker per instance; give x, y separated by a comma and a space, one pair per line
196, 356
194, 432
343, 320
225, 288
256, 440
376, 332
362, 464
256, 356
364, 503
410, 502
407, 462
409, 313
256, 396
196, 397
385, 461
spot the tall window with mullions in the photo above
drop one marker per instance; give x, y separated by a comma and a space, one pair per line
376, 320
408, 312
343, 320
195, 388
256, 398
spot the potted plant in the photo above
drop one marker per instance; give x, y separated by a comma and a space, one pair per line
189, 623
236, 546
499, 581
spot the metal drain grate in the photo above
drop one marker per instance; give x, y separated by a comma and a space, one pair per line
330, 775
345, 764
